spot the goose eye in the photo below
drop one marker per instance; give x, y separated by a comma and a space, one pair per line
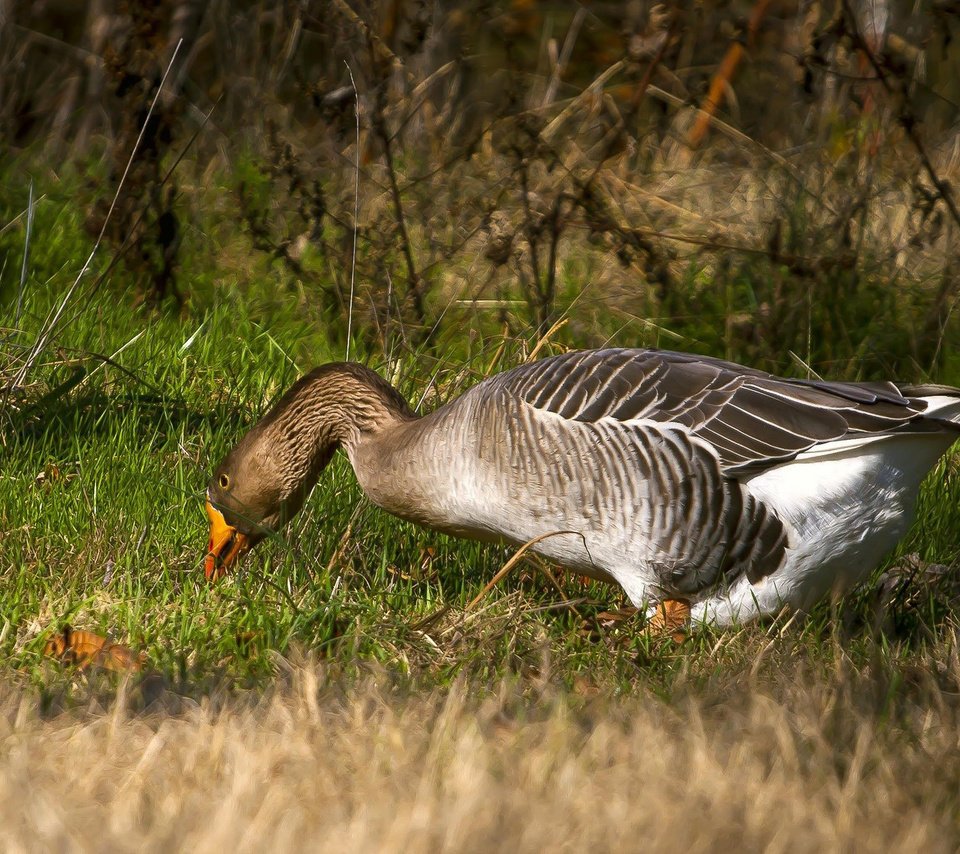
224, 481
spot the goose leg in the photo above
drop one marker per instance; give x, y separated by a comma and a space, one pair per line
672, 617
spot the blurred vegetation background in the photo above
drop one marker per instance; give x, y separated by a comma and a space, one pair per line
770, 181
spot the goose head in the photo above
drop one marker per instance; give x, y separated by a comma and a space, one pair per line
257, 488
263, 482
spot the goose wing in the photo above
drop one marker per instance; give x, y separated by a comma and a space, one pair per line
754, 420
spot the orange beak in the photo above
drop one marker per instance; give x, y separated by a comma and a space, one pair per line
225, 546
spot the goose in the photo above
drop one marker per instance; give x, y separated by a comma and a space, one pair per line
707, 490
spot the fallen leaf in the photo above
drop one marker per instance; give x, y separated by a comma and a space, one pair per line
83, 649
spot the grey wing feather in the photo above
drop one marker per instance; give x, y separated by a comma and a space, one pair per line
753, 419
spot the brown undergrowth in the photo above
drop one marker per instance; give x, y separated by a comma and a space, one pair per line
780, 755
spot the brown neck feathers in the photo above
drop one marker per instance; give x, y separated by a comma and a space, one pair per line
333, 405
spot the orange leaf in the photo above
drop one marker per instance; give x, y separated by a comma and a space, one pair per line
84, 649
724, 76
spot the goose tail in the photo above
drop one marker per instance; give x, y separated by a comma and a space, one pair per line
943, 401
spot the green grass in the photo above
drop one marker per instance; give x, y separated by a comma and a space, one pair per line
101, 510
102, 505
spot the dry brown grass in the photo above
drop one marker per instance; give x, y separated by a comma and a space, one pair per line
787, 760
